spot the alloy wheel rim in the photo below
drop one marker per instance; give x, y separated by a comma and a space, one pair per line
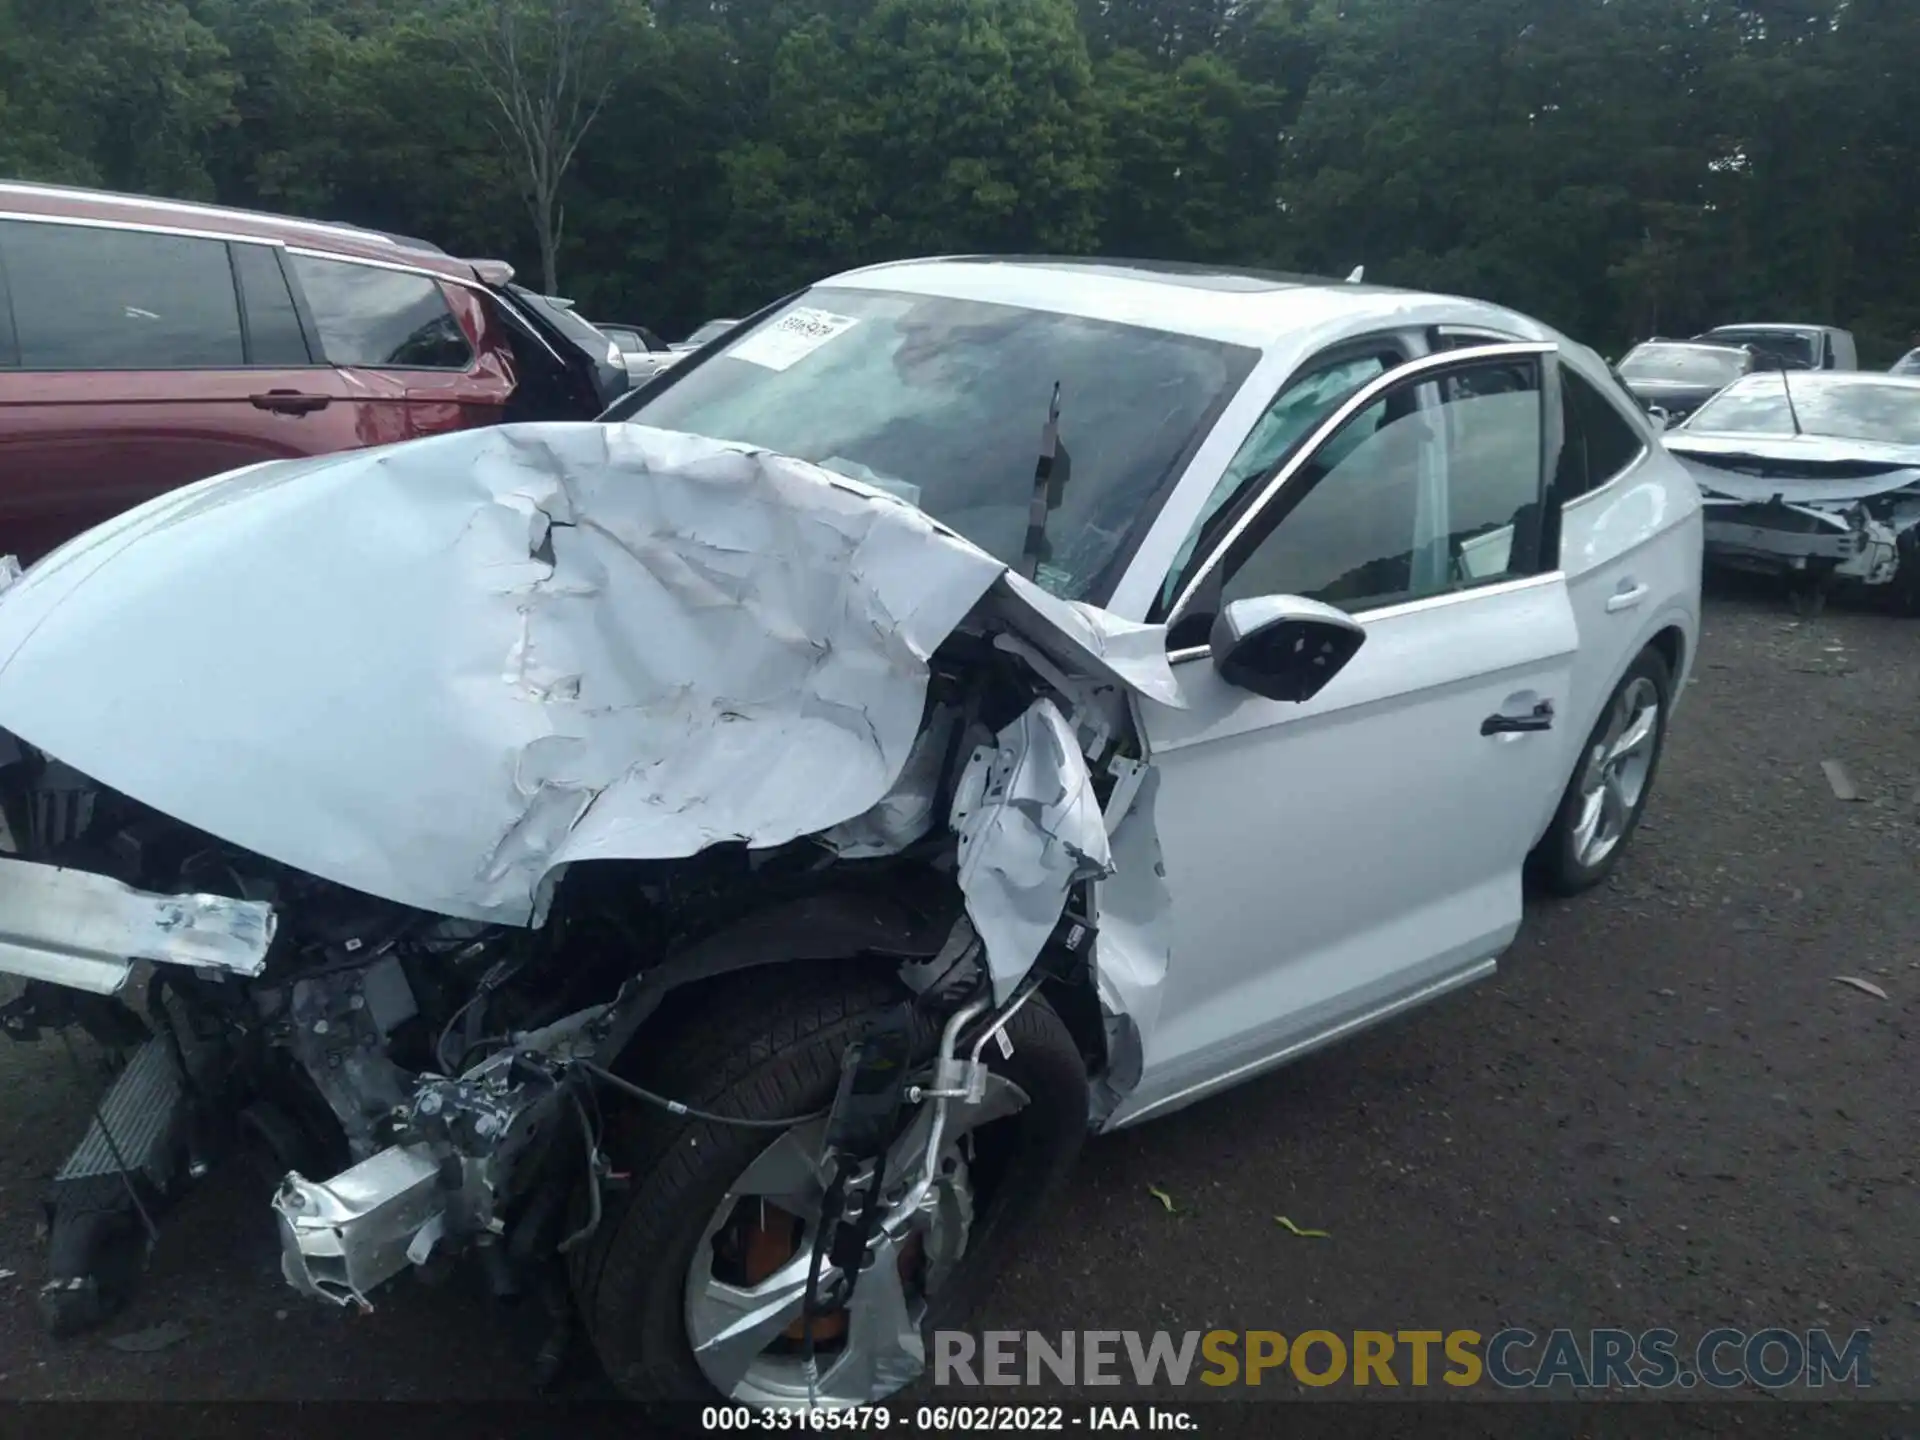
745, 1328
1613, 777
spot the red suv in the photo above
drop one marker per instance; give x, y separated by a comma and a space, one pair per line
148, 343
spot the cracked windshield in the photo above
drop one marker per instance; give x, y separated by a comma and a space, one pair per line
943, 403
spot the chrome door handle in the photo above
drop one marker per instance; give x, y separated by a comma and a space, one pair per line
1626, 597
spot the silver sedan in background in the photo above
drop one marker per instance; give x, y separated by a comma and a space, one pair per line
1812, 476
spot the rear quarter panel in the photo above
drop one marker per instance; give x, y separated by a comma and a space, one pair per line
1643, 529
442, 400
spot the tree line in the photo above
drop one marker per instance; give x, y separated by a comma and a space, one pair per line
1617, 167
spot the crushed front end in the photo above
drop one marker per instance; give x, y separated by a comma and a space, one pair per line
1825, 521
634, 743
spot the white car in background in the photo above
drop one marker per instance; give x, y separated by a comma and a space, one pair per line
705, 334
981, 703
1814, 477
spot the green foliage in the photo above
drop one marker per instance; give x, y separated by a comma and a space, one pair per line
1615, 166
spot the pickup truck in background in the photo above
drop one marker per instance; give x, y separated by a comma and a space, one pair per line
1792, 347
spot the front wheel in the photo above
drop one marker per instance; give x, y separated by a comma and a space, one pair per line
1610, 784
694, 1287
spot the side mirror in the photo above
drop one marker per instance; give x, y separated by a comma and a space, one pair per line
1660, 416
1281, 646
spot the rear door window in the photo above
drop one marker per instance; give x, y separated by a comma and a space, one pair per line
1598, 442
381, 319
90, 298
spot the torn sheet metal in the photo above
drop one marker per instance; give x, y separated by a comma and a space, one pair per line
1030, 827
439, 672
81, 930
1088, 640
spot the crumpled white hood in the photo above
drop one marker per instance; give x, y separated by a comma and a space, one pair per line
435, 672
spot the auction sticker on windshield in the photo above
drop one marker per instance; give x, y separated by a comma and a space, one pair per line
791, 338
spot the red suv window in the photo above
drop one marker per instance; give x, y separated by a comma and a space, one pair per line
381, 319
86, 298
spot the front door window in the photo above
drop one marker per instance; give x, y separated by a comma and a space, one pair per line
1307, 399
1434, 488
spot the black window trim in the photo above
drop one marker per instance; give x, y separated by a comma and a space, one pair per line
240, 305
9, 335
310, 324
1545, 353
1438, 337
246, 319
309, 328
1632, 417
1376, 343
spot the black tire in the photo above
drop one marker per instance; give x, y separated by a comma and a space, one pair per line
1906, 577
1554, 866
768, 1046
1809, 600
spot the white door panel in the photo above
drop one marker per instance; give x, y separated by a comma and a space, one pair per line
1328, 859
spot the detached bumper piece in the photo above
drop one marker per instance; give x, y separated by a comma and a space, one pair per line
132, 1160
84, 931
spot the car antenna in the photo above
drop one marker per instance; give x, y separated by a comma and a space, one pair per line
1792, 413
1047, 488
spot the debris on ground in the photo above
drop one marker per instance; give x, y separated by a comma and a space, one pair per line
1842, 783
1164, 1198
1294, 1229
155, 1337
1859, 984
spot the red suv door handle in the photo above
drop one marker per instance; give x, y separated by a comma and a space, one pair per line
291, 402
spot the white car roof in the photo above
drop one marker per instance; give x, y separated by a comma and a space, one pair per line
1775, 326
1245, 307
1712, 347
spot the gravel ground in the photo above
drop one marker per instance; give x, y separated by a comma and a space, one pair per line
1663, 1111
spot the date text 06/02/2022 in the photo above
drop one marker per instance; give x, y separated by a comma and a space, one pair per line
949, 1419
